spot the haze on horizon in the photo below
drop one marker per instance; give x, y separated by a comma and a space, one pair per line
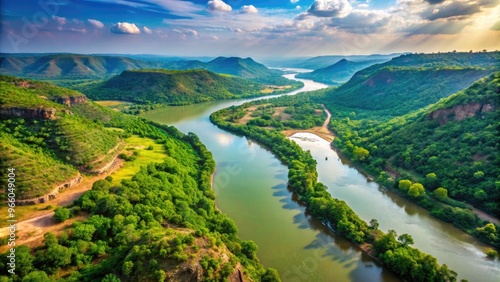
249, 28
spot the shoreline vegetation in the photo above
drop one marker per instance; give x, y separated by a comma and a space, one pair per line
159, 224
392, 250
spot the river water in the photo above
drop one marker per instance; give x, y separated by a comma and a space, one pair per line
251, 187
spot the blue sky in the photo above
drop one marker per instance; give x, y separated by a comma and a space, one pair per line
249, 27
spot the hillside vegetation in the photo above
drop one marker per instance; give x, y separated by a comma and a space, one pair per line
401, 123
69, 66
173, 87
39, 126
395, 252
337, 73
410, 82
161, 224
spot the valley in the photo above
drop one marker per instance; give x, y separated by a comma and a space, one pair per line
241, 165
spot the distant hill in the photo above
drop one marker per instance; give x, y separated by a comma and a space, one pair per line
69, 66
173, 87
337, 73
246, 68
411, 82
44, 139
75, 66
325, 61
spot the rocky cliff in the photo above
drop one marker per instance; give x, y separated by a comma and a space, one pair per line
460, 112
71, 100
38, 113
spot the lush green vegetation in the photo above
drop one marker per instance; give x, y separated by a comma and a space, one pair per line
410, 82
450, 147
160, 224
174, 87
47, 151
68, 66
407, 262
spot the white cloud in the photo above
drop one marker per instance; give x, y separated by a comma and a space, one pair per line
147, 30
218, 5
96, 23
294, 1
60, 20
185, 33
330, 8
125, 28
249, 9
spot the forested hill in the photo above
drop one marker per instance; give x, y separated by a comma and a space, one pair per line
246, 68
43, 137
76, 66
337, 73
69, 66
159, 224
173, 87
412, 81
451, 145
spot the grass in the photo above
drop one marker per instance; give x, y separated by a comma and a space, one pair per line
110, 103
145, 157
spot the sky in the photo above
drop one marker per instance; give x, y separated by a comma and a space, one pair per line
248, 27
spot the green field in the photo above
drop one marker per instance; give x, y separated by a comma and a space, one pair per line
145, 157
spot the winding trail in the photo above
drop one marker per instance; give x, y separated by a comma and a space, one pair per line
32, 227
321, 131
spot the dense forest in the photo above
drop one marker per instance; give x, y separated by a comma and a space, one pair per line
410, 82
177, 87
449, 148
159, 225
394, 251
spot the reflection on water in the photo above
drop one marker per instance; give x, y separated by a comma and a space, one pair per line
251, 187
447, 243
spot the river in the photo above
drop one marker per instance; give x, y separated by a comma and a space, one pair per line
251, 187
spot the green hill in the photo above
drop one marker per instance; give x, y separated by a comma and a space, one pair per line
160, 223
451, 145
455, 138
411, 82
173, 87
337, 73
69, 66
38, 125
246, 68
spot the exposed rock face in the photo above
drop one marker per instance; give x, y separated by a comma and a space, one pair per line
460, 112
72, 100
39, 113
52, 194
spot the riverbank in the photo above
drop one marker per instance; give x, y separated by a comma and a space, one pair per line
302, 178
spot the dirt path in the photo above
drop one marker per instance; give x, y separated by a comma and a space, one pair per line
30, 228
321, 131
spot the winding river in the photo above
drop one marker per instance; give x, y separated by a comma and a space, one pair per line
251, 187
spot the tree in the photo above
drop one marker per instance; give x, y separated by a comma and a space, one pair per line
361, 153
404, 184
440, 193
405, 239
416, 190
61, 214
374, 224
249, 249
84, 232
271, 275
36, 276
110, 277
